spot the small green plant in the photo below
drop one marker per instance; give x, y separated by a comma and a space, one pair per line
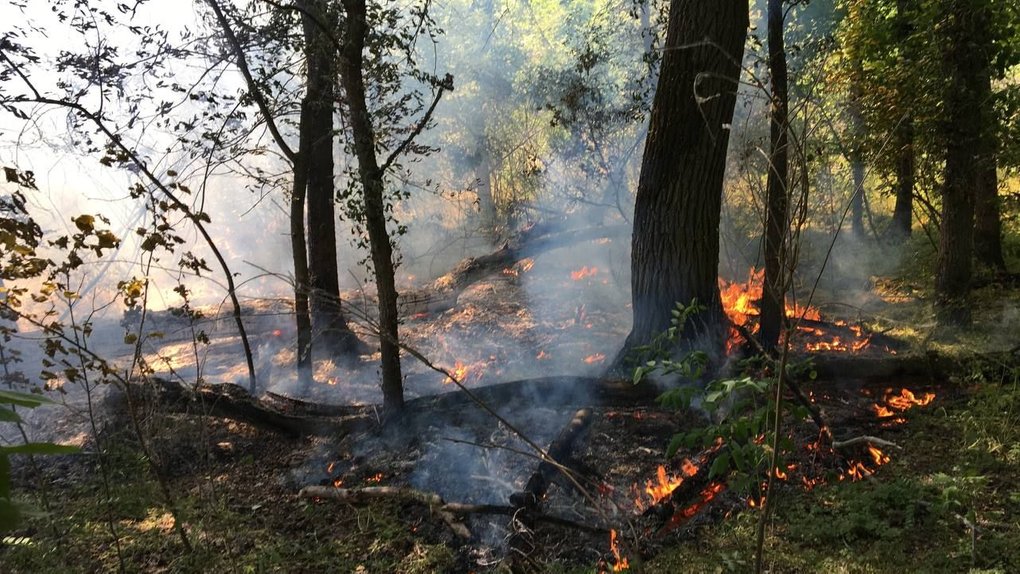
739, 408
10, 510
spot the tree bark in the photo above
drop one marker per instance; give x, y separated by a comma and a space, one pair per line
675, 243
903, 138
299, 252
966, 26
777, 191
327, 316
352, 78
987, 220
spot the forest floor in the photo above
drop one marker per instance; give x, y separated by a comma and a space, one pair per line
948, 501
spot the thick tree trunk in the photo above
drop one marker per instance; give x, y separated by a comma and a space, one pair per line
773, 301
675, 244
966, 25
330, 325
351, 75
903, 137
987, 220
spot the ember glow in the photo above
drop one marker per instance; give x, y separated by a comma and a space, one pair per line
584, 273
707, 495
619, 562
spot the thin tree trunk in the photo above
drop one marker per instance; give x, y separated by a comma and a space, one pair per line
777, 190
351, 75
327, 316
857, 170
675, 244
299, 251
903, 138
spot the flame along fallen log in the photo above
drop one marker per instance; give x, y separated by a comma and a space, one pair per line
442, 293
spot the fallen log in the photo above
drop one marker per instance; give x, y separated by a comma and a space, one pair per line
235, 403
558, 452
442, 293
527, 503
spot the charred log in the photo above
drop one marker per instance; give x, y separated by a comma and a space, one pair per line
235, 403
527, 503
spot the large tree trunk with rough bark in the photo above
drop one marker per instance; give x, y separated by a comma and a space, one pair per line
777, 202
371, 175
675, 244
987, 219
332, 330
966, 24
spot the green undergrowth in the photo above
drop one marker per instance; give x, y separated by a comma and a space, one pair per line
256, 527
960, 466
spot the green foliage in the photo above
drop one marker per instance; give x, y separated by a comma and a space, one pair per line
739, 409
10, 511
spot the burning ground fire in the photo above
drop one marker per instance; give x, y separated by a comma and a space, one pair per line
898, 403
739, 301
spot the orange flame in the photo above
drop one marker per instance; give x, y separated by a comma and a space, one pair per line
584, 273
460, 370
739, 302
878, 456
619, 562
707, 494
897, 403
664, 484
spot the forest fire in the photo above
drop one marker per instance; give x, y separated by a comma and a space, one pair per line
620, 563
460, 372
740, 302
707, 495
664, 484
898, 403
584, 273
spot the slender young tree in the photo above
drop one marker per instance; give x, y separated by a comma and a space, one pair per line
777, 189
373, 185
903, 136
675, 243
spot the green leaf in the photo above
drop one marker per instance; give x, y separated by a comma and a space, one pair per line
24, 399
720, 466
5, 476
9, 416
9, 515
40, 448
